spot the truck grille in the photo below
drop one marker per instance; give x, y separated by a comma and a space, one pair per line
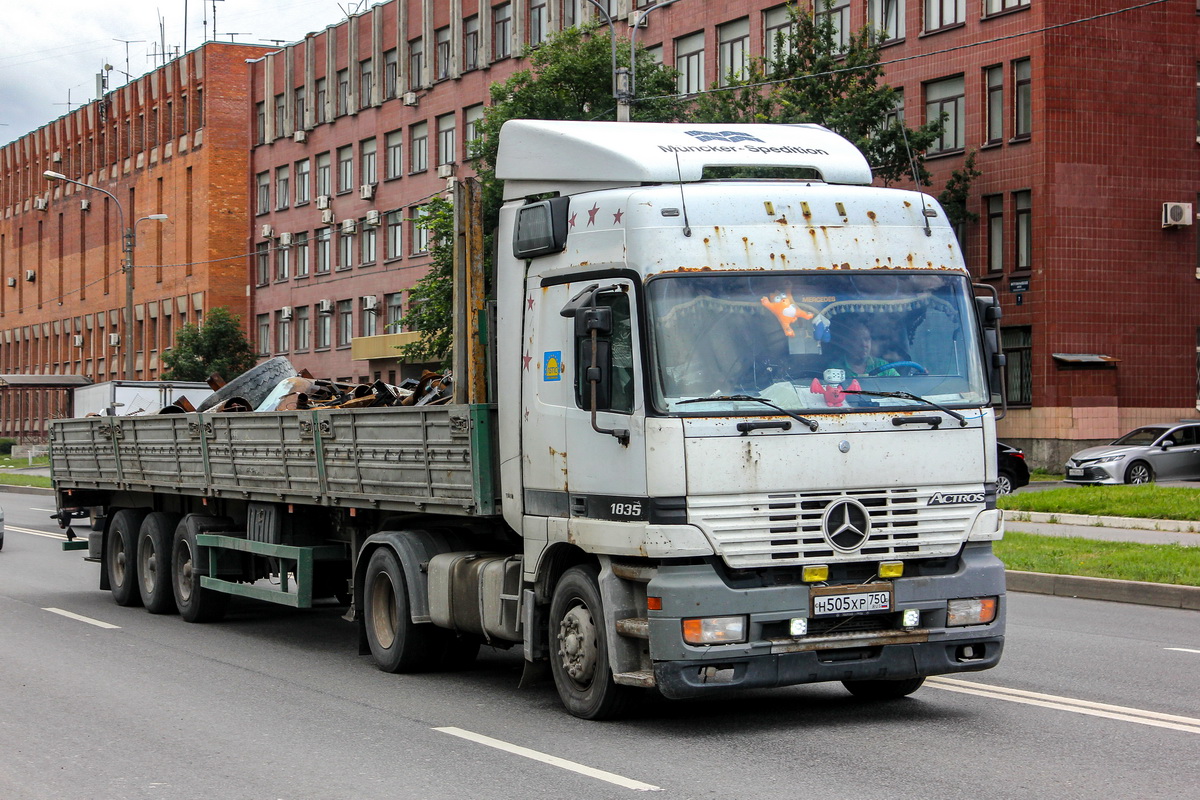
764, 530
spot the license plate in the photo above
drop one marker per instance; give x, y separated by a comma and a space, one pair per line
1075, 472
829, 601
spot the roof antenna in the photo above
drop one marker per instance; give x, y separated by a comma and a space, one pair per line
926, 211
687, 228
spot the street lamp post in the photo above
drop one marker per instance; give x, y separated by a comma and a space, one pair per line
128, 241
624, 79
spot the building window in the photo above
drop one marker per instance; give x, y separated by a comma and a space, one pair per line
394, 220
1023, 99
366, 160
264, 193
416, 63
283, 263
689, 61
944, 13
283, 192
419, 141
999, 6
299, 108
837, 12
345, 158
895, 115
537, 22
733, 44
260, 122
944, 100
300, 318
322, 105
366, 82
324, 329
777, 34
368, 238
283, 333
445, 129
420, 233
472, 117
501, 31
264, 333
323, 185
367, 323
887, 18
345, 322
442, 56
391, 73
302, 184
280, 112
345, 250
1017, 343
262, 258
394, 306
1024, 205
993, 78
343, 92
470, 54
300, 245
995, 232
395, 155
570, 13
323, 244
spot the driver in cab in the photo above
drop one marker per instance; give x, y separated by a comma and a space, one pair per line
853, 349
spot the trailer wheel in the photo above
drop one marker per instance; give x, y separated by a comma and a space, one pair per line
253, 385
397, 643
120, 556
579, 661
195, 604
883, 690
155, 544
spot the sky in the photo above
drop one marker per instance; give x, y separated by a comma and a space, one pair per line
51, 50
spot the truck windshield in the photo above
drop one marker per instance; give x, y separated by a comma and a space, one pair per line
795, 338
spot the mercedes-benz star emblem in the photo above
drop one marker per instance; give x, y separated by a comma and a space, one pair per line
846, 525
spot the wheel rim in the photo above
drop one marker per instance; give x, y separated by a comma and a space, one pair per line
183, 557
384, 610
117, 558
1003, 485
1139, 474
578, 650
148, 564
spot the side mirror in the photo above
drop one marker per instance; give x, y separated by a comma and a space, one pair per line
1166, 443
600, 375
596, 318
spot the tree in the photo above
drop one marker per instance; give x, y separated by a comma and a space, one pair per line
812, 78
431, 299
218, 345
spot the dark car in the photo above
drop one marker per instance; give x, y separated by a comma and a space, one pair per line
1013, 472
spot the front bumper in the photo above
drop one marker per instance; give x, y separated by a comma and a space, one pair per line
1111, 472
771, 658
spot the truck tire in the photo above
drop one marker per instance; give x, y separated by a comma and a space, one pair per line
120, 556
579, 649
188, 565
883, 690
397, 643
156, 539
253, 385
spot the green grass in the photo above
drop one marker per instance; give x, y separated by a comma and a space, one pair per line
8, 462
1127, 561
1040, 474
17, 479
1148, 501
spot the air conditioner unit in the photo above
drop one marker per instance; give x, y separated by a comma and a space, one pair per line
445, 170
30, 275
285, 239
40, 203
322, 201
78, 341
372, 218
57, 157
366, 191
85, 204
1176, 214
369, 302
114, 339
12, 282
267, 232
325, 307
410, 98
349, 225
285, 313
300, 135
327, 216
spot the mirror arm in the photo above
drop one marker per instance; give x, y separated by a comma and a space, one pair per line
621, 434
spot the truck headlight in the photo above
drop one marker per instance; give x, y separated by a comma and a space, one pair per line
971, 611
714, 630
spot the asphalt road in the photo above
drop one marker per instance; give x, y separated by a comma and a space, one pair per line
1091, 699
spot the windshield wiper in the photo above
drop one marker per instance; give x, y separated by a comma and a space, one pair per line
731, 398
962, 421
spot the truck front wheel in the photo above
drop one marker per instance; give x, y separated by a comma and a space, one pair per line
120, 556
155, 539
579, 649
883, 690
397, 643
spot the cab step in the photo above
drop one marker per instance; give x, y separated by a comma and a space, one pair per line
634, 627
643, 678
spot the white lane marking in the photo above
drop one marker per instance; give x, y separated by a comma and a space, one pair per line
1182, 649
1122, 713
619, 780
47, 510
81, 618
62, 536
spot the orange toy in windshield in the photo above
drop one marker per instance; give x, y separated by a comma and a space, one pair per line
785, 310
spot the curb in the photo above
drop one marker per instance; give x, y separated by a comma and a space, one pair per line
1148, 594
1089, 520
8, 487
